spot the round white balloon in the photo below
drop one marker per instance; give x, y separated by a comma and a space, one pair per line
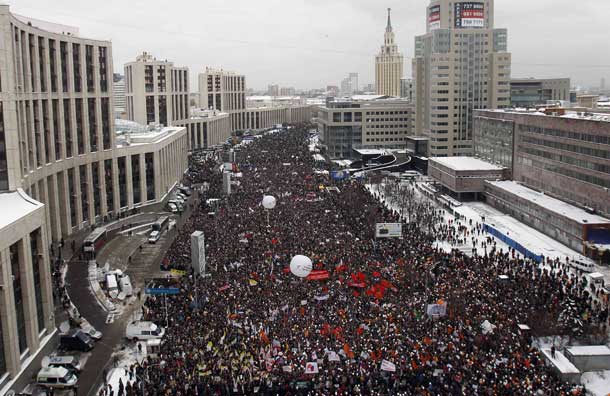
301, 266
269, 202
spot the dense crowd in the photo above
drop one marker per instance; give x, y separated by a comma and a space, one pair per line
252, 327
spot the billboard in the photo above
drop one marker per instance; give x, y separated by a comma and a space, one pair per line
434, 17
469, 14
388, 230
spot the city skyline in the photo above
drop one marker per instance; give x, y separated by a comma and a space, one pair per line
316, 49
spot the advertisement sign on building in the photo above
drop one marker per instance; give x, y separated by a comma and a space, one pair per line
434, 17
388, 230
198, 252
469, 15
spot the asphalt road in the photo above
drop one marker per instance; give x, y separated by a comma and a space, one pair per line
144, 264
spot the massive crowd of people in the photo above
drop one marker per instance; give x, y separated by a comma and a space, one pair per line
252, 327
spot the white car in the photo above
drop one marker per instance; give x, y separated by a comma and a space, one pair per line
154, 237
143, 330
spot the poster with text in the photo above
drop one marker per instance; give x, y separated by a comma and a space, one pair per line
434, 17
469, 15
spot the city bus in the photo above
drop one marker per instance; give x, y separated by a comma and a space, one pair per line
161, 224
96, 240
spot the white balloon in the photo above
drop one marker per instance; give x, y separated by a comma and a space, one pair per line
269, 202
301, 266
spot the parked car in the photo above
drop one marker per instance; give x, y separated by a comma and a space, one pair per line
75, 340
172, 207
185, 190
154, 237
143, 330
66, 361
56, 377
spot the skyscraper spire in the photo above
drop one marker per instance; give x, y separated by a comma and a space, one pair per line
389, 27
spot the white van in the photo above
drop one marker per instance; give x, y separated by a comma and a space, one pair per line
111, 283
125, 285
68, 362
56, 377
143, 330
154, 237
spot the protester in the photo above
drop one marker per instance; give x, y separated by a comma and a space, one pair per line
253, 327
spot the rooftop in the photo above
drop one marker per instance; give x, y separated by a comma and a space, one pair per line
130, 133
580, 115
554, 205
20, 205
589, 350
466, 164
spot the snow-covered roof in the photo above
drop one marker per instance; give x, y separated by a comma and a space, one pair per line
466, 164
554, 205
370, 151
589, 350
370, 97
560, 362
16, 205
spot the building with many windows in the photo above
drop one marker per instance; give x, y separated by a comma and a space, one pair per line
389, 64
157, 92
363, 122
565, 154
460, 64
62, 168
224, 91
120, 103
530, 92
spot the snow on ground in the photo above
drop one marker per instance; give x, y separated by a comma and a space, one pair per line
597, 383
124, 360
528, 237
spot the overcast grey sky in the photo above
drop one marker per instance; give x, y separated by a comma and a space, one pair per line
313, 43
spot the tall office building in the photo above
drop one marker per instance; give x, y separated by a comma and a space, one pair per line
460, 64
120, 106
224, 91
62, 169
156, 91
388, 64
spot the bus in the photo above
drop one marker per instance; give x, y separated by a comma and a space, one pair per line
96, 240
161, 224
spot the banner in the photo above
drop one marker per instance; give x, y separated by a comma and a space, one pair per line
469, 14
339, 174
323, 297
388, 230
437, 309
333, 356
318, 275
311, 368
253, 282
388, 366
434, 17
360, 285
177, 272
223, 288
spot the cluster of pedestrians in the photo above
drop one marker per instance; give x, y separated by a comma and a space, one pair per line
383, 316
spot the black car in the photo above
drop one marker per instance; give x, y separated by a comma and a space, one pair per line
76, 340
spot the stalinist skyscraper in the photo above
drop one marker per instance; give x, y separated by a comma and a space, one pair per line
388, 64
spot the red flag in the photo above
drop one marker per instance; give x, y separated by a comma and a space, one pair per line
359, 330
264, 337
274, 241
318, 275
360, 285
356, 294
377, 274
341, 268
